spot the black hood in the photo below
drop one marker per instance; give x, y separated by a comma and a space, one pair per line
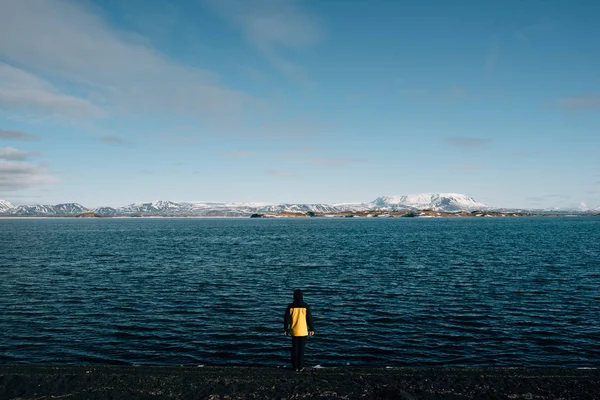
298, 296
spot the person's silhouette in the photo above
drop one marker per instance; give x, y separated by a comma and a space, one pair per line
298, 323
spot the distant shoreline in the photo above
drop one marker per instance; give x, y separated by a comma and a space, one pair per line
119, 217
289, 215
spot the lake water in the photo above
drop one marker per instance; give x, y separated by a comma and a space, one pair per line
384, 292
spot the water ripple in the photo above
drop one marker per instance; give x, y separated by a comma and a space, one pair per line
403, 292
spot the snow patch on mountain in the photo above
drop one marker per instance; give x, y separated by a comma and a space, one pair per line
44, 210
448, 202
298, 208
205, 204
185, 209
5, 205
353, 206
69, 209
151, 207
585, 208
106, 211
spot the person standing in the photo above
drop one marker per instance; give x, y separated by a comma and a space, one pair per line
298, 323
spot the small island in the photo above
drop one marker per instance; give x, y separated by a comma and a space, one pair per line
89, 214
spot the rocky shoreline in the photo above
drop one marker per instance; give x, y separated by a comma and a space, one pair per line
192, 382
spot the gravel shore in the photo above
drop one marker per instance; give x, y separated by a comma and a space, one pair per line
149, 382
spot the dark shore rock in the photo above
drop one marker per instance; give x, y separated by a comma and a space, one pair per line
145, 382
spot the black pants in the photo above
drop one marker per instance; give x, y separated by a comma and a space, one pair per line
298, 343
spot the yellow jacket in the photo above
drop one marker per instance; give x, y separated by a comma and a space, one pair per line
299, 318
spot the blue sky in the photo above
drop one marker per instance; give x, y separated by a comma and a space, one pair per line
110, 102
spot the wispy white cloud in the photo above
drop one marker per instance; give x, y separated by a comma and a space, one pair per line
12, 154
64, 40
292, 70
177, 139
272, 23
116, 141
22, 91
60, 59
18, 175
16, 135
254, 74
272, 26
293, 128
587, 102
299, 153
528, 34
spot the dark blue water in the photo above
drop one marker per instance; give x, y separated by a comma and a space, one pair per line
384, 292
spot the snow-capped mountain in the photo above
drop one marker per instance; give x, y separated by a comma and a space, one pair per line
65, 209
171, 208
445, 202
298, 208
69, 209
585, 207
354, 206
160, 206
5, 205
214, 209
106, 211
448, 202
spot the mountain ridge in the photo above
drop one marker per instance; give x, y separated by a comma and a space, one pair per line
5, 205
437, 202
